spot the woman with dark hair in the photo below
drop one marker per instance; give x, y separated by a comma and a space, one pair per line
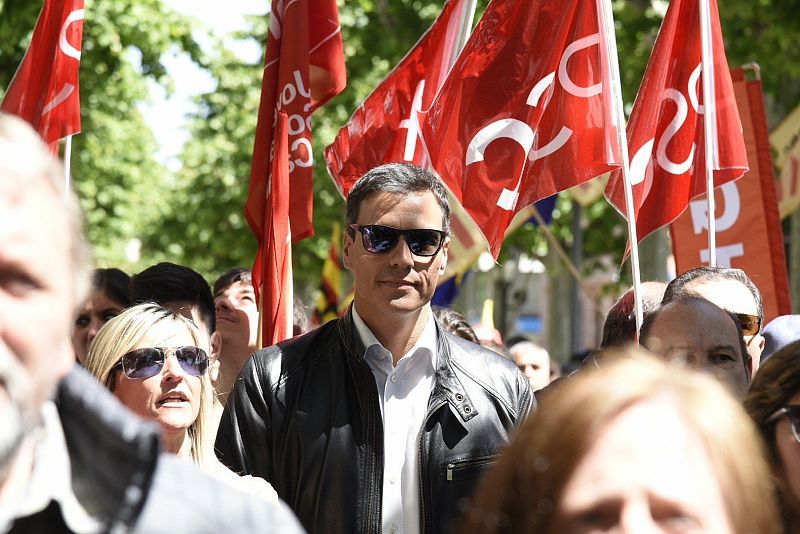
773, 402
109, 296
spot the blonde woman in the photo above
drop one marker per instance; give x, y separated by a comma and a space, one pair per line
634, 446
154, 362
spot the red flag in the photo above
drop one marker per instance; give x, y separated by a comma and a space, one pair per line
748, 227
303, 69
44, 90
272, 270
665, 132
330, 284
526, 110
384, 128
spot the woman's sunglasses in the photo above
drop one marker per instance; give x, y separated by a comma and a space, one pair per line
147, 362
378, 239
791, 411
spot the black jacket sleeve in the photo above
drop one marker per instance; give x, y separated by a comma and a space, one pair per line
245, 432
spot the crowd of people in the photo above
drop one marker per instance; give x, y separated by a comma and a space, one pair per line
143, 403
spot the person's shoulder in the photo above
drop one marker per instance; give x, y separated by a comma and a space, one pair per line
180, 494
496, 374
294, 353
477, 357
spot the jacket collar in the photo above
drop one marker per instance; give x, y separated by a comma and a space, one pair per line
90, 414
447, 387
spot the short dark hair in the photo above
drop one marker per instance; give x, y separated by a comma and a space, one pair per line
115, 283
455, 323
227, 279
398, 178
650, 319
619, 327
168, 283
300, 322
677, 288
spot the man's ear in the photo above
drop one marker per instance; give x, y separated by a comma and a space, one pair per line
213, 360
347, 245
445, 250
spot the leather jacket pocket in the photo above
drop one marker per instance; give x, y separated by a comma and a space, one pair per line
468, 469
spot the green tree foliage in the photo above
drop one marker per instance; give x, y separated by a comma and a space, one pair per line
194, 216
114, 170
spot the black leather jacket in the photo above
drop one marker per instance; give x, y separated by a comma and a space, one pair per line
305, 415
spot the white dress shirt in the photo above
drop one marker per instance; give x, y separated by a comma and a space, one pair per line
403, 391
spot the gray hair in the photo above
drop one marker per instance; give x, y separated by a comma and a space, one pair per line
397, 178
24, 161
677, 288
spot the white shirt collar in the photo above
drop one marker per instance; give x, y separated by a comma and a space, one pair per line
426, 340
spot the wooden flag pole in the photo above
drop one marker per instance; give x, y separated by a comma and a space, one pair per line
607, 29
709, 125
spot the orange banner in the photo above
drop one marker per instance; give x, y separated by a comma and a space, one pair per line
749, 234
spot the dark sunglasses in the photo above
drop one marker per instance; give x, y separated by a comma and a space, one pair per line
793, 413
751, 324
378, 239
147, 362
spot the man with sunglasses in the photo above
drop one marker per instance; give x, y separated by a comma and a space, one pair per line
379, 421
730, 289
82, 463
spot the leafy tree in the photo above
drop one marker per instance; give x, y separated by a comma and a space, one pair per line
114, 170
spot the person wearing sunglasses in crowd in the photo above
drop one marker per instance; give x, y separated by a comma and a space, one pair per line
773, 402
380, 421
733, 291
110, 295
155, 361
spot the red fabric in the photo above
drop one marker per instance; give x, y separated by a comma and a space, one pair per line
668, 170
303, 69
384, 128
525, 110
272, 270
44, 90
749, 234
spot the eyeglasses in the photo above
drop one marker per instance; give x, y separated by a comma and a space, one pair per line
378, 239
147, 362
793, 413
751, 324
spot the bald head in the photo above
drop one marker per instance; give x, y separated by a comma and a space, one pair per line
702, 335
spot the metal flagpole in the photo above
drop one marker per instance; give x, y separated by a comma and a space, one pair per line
607, 27
709, 125
67, 162
465, 30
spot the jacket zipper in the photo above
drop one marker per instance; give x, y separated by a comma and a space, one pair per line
472, 462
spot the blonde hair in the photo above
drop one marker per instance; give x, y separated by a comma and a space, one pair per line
524, 488
24, 161
123, 333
